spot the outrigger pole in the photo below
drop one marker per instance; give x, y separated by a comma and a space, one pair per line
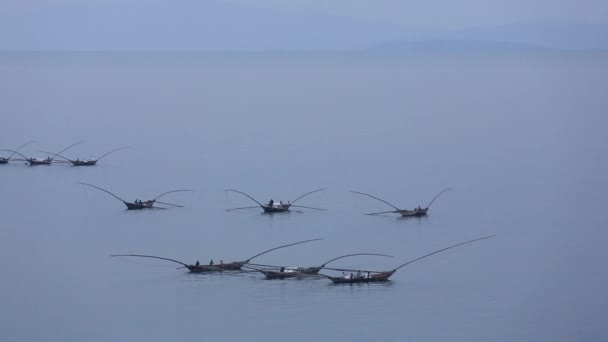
401, 211
414, 260
228, 266
149, 204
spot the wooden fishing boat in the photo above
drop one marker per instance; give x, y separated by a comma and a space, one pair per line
86, 162
367, 278
417, 212
40, 161
43, 161
138, 204
363, 276
306, 272
276, 207
286, 273
221, 267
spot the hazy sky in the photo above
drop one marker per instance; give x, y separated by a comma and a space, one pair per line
267, 24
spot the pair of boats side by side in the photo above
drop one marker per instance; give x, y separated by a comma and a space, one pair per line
273, 207
283, 272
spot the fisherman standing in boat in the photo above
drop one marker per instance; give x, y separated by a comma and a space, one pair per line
211, 262
197, 263
271, 203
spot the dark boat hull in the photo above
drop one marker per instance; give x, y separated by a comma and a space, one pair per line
3, 161
139, 206
233, 266
413, 213
83, 162
297, 273
277, 208
378, 277
34, 162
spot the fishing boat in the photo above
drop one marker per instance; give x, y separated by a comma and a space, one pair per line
138, 204
276, 207
363, 276
306, 272
416, 212
211, 267
43, 161
367, 278
86, 162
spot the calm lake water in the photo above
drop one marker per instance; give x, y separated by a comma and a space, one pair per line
521, 139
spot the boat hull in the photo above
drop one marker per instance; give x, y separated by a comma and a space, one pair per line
297, 273
34, 162
413, 213
233, 266
83, 162
139, 206
276, 208
378, 277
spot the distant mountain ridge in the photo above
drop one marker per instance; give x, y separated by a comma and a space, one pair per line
460, 46
215, 25
504, 38
550, 36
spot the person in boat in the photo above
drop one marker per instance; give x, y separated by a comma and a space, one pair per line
344, 275
352, 276
359, 274
221, 262
211, 262
197, 263
271, 203
367, 275
282, 269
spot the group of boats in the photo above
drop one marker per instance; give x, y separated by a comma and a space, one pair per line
51, 158
271, 207
348, 276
